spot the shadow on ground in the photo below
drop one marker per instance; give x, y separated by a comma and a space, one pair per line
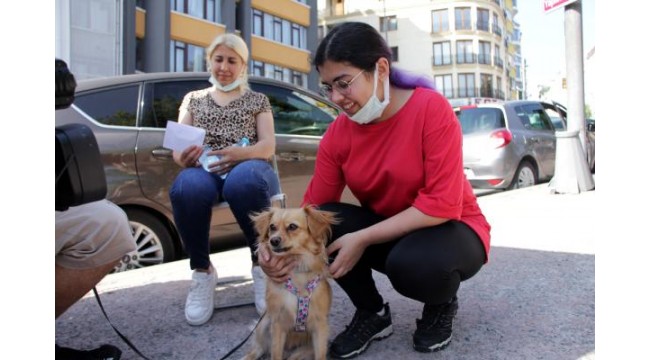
524, 304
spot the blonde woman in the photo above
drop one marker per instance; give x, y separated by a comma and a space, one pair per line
228, 111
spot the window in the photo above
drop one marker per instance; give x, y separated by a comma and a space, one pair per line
444, 85
116, 106
484, 52
534, 117
442, 53
464, 53
394, 53
495, 24
186, 57
439, 20
279, 29
296, 113
497, 56
258, 24
478, 120
483, 19
486, 85
463, 19
388, 23
203, 9
162, 100
466, 85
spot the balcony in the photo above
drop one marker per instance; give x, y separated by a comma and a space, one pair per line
483, 26
484, 59
496, 30
498, 61
441, 60
465, 58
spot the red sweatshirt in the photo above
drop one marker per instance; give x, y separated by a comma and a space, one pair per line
413, 158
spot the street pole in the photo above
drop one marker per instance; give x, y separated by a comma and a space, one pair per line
572, 173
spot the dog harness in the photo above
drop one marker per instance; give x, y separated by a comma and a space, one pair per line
303, 301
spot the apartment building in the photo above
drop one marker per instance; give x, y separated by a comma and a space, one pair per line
471, 48
101, 38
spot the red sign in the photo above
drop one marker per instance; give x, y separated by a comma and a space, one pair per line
550, 5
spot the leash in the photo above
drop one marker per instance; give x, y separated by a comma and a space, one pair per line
135, 349
232, 351
114, 328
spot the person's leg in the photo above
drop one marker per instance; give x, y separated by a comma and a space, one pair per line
248, 189
90, 240
71, 284
428, 265
372, 319
193, 194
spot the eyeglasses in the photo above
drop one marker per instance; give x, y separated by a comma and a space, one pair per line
341, 86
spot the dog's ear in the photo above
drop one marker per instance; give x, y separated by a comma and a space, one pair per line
319, 222
261, 221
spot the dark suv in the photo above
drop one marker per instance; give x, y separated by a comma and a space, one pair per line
128, 115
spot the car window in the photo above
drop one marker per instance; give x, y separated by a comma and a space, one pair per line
478, 120
114, 106
296, 113
534, 117
162, 100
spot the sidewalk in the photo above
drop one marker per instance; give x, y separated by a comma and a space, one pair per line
534, 299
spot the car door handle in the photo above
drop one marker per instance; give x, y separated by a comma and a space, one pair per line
292, 156
162, 153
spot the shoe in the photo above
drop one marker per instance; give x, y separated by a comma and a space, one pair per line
200, 300
104, 352
365, 327
259, 288
433, 331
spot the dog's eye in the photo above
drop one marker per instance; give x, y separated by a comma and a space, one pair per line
292, 227
272, 227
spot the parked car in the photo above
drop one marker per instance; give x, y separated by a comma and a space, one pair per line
128, 115
510, 144
560, 124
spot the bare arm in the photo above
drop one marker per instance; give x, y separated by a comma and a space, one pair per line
189, 156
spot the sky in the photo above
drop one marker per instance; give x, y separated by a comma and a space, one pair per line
543, 43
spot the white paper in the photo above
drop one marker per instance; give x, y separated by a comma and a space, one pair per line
179, 136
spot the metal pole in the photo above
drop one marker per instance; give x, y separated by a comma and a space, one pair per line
575, 71
572, 173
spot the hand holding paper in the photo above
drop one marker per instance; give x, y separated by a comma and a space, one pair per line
179, 136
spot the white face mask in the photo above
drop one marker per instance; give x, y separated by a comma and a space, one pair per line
373, 108
228, 88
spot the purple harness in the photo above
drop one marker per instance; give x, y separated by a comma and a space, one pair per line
303, 301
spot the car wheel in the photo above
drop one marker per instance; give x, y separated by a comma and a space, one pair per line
154, 242
524, 176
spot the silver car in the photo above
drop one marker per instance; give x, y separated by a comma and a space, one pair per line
510, 144
128, 115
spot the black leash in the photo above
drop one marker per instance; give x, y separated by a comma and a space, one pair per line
114, 328
130, 344
245, 339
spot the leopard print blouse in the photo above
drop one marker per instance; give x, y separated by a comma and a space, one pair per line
226, 125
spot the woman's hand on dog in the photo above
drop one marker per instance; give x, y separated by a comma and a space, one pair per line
276, 268
349, 252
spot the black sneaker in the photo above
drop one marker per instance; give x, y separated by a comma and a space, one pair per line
365, 327
433, 331
104, 352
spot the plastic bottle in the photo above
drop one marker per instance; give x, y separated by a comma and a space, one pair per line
206, 159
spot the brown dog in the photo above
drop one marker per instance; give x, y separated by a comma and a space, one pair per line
297, 311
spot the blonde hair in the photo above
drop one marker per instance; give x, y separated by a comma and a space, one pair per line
234, 43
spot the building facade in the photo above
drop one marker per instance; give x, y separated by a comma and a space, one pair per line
471, 48
101, 38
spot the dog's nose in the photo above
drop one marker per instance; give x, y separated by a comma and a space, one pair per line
275, 241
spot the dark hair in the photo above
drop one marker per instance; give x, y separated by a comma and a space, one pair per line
361, 45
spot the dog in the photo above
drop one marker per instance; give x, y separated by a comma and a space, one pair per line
297, 311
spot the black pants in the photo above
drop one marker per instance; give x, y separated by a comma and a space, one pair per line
426, 265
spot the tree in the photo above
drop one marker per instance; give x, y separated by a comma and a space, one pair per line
543, 89
588, 114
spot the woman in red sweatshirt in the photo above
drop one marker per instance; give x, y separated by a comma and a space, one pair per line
398, 147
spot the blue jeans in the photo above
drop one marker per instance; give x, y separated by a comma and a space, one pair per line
248, 188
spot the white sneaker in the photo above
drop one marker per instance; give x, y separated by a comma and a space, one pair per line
259, 287
200, 300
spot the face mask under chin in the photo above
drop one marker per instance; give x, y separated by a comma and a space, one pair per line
225, 88
373, 107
